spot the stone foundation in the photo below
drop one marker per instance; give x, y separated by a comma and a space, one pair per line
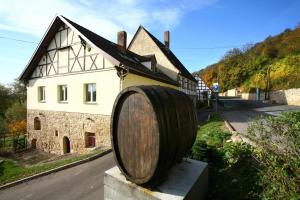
56, 125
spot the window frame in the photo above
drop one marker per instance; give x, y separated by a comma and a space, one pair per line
41, 94
63, 93
89, 96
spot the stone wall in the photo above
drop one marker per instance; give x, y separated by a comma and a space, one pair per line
290, 96
57, 125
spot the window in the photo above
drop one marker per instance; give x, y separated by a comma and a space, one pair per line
90, 140
185, 83
63, 93
180, 81
41, 94
37, 123
90, 92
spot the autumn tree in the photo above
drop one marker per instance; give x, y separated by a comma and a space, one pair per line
242, 67
17, 128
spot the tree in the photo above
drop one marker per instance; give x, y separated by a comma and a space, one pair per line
3, 126
17, 128
238, 67
5, 99
19, 91
16, 112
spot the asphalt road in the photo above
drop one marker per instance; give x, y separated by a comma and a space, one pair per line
82, 182
240, 112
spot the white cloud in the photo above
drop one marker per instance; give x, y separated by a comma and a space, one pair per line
105, 17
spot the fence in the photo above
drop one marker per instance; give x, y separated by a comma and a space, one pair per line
12, 144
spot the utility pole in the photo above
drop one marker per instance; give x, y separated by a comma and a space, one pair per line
216, 90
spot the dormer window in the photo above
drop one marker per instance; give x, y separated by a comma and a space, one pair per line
147, 64
154, 68
150, 63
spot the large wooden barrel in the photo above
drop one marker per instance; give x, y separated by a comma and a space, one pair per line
152, 128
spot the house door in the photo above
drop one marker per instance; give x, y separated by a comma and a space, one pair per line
66, 145
33, 143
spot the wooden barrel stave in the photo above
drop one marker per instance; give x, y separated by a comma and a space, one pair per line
176, 125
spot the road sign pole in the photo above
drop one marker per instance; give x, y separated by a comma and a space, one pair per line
216, 90
217, 96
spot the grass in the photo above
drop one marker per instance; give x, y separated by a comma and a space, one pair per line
233, 170
10, 171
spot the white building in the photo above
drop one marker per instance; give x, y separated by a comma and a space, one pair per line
201, 88
74, 76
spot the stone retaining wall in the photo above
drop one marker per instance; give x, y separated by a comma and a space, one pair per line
290, 96
57, 125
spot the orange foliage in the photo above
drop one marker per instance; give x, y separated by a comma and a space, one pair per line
17, 127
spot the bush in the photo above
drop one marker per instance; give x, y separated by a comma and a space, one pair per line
17, 128
278, 140
233, 171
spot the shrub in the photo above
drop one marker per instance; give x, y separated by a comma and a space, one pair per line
17, 127
233, 171
278, 143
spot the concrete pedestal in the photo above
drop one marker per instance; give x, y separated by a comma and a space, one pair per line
186, 180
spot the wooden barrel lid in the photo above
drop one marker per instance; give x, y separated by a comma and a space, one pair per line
137, 151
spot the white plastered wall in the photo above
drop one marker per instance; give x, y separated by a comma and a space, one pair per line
144, 45
107, 84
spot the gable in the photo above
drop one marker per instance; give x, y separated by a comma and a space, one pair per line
161, 48
144, 45
67, 52
58, 52
62, 39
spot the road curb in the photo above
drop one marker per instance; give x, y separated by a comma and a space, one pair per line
236, 134
11, 184
228, 125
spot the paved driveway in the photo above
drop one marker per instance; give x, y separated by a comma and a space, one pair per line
240, 112
82, 182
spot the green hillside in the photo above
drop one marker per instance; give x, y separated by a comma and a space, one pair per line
247, 67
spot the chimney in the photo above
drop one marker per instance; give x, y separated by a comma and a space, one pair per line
122, 39
167, 39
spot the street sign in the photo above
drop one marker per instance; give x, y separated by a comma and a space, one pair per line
216, 87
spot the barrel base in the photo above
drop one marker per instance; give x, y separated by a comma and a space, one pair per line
187, 180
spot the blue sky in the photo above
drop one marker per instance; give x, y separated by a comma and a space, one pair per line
199, 28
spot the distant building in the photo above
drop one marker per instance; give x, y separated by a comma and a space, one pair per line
234, 92
201, 88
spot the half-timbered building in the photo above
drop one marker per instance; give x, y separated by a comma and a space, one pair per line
202, 90
74, 77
